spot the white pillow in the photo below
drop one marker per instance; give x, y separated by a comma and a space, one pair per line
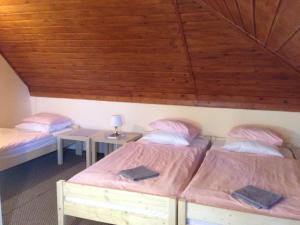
38, 127
252, 147
46, 118
166, 138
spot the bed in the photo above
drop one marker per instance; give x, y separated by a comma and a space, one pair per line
207, 200
100, 194
19, 146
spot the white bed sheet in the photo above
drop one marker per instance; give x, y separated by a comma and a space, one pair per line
28, 147
32, 145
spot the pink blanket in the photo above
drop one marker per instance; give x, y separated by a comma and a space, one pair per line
176, 166
224, 172
12, 138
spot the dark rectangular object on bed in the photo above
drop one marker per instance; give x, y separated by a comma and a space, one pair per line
138, 173
257, 197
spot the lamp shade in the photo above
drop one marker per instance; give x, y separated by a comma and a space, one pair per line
116, 121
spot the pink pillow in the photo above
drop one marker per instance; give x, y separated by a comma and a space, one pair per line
256, 133
176, 127
46, 118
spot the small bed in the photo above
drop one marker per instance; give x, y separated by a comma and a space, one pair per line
35, 136
100, 194
19, 146
207, 200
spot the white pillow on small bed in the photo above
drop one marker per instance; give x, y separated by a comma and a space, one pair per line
47, 118
252, 147
165, 138
45, 128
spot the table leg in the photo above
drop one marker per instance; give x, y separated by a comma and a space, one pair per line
110, 147
78, 148
88, 153
60, 153
94, 152
106, 149
1, 222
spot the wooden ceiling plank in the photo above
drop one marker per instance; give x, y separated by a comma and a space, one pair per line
272, 24
185, 44
213, 4
224, 9
247, 12
105, 44
234, 10
289, 39
116, 8
291, 50
286, 23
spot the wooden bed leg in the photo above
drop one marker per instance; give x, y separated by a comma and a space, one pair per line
172, 212
182, 212
60, 203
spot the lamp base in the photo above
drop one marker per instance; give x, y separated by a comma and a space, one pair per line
114, 136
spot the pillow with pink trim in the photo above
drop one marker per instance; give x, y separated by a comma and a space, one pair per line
256, 133
47, 118
178, 127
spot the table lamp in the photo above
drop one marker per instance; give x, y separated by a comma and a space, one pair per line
116, 122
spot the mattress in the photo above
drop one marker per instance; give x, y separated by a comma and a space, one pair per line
12, 138
175, 164
15, 142
223, 172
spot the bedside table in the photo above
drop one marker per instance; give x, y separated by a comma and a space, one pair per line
80, 135
101, 137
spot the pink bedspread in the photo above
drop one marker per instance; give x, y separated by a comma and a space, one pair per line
176, 166
12, 138
224, 172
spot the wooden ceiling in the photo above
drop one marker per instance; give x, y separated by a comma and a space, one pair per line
275, 24
155, 51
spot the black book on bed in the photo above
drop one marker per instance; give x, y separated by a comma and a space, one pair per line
257, 197
138, 173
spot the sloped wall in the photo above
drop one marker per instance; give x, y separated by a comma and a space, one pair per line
14, 96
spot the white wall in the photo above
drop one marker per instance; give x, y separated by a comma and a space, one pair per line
14, 96
214, 121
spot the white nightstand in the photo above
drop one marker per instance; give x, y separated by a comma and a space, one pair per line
81, 135
101, 137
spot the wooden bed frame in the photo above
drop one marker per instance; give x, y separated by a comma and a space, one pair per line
101, 201
225, 216
8, 162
